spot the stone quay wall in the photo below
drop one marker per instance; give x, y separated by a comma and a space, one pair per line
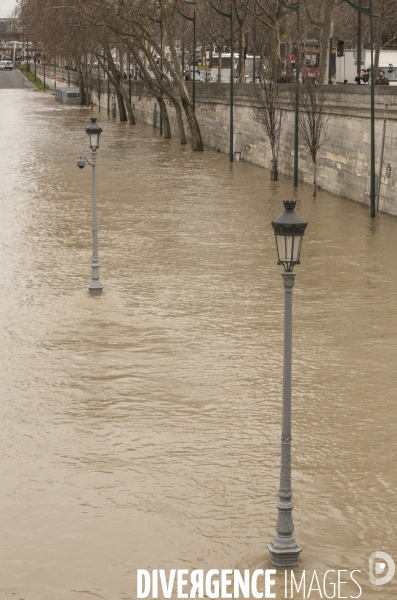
343, 164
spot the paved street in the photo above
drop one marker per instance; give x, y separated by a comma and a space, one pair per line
14, 80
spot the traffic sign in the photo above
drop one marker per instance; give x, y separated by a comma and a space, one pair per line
54, 76
292, 58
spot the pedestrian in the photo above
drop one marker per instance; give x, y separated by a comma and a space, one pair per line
363, 78
382, 79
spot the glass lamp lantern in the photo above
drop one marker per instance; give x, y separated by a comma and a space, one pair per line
93, 131
289, 229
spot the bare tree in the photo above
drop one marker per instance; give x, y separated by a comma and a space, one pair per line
325, 22
98, 85
268, 111
313, 121
386, 13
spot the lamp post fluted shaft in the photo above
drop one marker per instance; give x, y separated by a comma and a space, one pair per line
289, 230
284, 549
95, 286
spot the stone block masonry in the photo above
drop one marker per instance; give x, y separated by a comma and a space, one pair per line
343, 165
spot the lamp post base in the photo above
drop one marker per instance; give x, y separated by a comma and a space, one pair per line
95, 287
284, 552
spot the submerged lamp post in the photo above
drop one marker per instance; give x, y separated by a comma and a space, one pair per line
94, 132
289, 229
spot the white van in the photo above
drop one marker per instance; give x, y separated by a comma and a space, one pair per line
346, 66
6, 64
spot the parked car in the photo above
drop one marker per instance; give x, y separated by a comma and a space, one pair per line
6, 64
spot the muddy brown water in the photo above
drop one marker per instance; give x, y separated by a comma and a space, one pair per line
141, 429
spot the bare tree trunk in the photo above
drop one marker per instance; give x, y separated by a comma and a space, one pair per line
326, 26
130, 112
261, 63
288, 68
220, 66
126, 101
379, 31
164, 114
315, 177
324, 52
277, 57
121, 105
197, 142
83, 96
91, 84
241, 45
179, 120
274, 168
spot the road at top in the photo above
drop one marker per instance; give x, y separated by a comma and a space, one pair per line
141, 429
14, 80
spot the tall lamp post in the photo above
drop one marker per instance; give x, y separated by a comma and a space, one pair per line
193, 20
295, 9
94, 132
161, 69
230, 16
368, 11
289, 229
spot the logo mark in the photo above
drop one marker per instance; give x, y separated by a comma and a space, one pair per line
382, 559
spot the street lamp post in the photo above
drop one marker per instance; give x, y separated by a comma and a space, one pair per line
161, 68
295, 9
94, 132
193, 20
368, 11
289, 229
230, 16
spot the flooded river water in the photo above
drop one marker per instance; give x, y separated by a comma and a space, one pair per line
141, 428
